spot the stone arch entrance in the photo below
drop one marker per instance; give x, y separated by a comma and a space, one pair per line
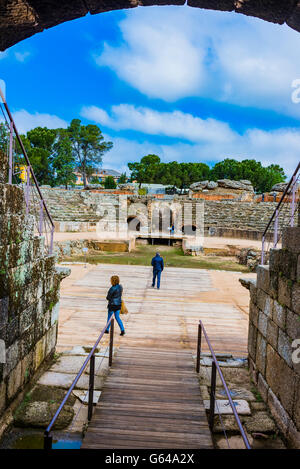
189, 230
133, 223
20, 19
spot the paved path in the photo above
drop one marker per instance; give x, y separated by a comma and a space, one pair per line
165, 318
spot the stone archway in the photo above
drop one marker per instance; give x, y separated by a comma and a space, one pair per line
20, 19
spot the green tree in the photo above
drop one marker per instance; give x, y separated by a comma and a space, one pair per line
63, 161
38, 144
3, 137
262, 178
122, 178
88, 147
109, 183
146, 170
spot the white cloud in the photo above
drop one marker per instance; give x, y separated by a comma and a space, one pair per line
22, 56
172, 53
158, 58
26, 121
173, 124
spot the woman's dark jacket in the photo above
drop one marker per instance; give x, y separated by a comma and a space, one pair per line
114, 297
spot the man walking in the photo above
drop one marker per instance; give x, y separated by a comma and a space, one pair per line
158, 266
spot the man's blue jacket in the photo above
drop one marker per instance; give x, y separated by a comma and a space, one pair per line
158, 263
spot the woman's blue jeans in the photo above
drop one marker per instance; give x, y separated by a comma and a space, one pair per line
117, 316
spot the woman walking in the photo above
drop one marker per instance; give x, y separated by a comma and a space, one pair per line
114, 298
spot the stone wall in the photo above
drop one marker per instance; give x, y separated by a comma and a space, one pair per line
274, 325
77, 210
29, 294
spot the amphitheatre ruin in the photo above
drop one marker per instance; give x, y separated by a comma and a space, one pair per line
210, 343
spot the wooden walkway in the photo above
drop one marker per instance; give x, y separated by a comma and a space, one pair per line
151, 399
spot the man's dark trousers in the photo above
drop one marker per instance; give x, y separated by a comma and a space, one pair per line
156, 274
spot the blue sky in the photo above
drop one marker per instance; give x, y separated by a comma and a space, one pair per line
186, 84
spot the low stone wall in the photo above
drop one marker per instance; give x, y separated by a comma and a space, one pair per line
81, 210
274, 326
75, 247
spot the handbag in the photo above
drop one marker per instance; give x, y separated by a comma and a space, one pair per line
124, 310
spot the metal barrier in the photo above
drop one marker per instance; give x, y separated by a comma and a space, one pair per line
35, 202
90, 358
215, 368
288, 203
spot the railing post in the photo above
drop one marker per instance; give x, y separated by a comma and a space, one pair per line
47, 441
27, 190
41, 217
199, 347
91, 387
10, 172
276, 229
51, 240
212, 396
294, 185
263, 250
111, 342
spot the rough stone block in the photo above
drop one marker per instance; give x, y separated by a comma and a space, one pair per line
27, 367
253, 292
252, 338
298, 269
262, 299
51, 339
27, 318
263, 278
293, 436
285, 291
14, 382
285, 347
262, 387
273, 287
281, 379
262, 323
296, 297
279, 314
261, 353
54, 314
12, 358
39, 352
291, 239
296, 410
293, 325
278, 412
4, 302
253, 314
2, 397
11, 199
253, 371
272, 334
274, 260
27, 342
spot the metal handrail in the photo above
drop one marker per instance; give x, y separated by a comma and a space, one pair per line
216, 367
29, 167
282, 199
91, 358
291, 187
